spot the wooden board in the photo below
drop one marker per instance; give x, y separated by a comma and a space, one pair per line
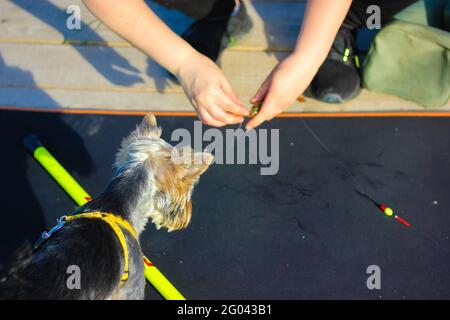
275, 24
38, 70
118, 69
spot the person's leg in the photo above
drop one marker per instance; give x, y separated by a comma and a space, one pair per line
338, 79
357, 16
197, 11
226, 20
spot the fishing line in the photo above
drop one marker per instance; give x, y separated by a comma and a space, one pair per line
336, 157
253, 112
359, 190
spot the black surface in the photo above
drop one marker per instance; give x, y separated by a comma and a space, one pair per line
303, 233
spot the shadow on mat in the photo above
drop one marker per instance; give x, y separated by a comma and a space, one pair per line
22, 216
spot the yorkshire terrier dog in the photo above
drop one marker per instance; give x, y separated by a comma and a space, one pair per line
101, 238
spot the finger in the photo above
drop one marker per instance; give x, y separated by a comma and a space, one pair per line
256, 121
229, 91
208, 119
268, 112
230, 106
221, 115
261, 93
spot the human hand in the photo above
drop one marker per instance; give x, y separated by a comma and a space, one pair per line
209, 92
287, 81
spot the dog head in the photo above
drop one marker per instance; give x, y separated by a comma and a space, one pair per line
164, 175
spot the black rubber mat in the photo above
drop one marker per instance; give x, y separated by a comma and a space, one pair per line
303, 233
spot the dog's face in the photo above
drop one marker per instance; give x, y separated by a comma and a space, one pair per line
170, 174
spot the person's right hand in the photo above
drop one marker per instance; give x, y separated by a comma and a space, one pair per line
209, 91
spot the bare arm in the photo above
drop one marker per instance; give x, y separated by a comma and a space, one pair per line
292, 76
135, 22
203, 82
323, 19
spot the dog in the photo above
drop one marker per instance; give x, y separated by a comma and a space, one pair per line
152, 181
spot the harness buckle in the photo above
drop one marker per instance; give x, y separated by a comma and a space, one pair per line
47, 234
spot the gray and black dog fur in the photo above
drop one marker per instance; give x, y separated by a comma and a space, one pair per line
148, 183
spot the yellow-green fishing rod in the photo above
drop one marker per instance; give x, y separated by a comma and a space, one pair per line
80, 196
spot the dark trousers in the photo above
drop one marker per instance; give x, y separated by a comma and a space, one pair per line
357, 16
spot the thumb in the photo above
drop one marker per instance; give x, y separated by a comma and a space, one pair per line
265, 114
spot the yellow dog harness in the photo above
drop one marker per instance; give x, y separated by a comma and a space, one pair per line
116, 223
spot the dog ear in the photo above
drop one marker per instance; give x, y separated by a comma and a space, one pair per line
192, 164
148, 127
200, 162
174, 181
186, 165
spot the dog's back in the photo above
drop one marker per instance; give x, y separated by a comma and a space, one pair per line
152, 180
87, 249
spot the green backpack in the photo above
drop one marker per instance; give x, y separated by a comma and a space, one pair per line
410, 57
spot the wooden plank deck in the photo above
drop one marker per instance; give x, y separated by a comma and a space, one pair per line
38, 22
43, 64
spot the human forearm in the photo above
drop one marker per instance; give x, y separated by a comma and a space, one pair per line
135, 22
203, 82
321, 23
292, 76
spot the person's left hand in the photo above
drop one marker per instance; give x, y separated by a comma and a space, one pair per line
287, 81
